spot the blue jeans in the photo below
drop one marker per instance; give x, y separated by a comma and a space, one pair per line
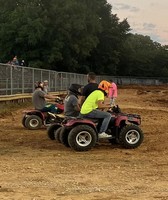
98, 114
50, 108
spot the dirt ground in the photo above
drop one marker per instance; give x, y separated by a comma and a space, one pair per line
33, 167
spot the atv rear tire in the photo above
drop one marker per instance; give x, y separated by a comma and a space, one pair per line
51, 131
33, 122
131, 136
57, 134
82, 138
63, 136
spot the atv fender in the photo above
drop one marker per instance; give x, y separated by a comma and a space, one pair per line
74, 122
35, 112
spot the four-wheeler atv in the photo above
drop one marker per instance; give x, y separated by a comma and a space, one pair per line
82, 134
34, 119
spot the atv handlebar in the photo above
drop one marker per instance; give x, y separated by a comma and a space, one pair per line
115, 109
59, 100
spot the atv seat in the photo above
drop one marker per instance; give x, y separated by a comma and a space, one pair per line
93, 120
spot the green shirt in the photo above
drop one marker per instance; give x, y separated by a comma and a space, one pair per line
91, 103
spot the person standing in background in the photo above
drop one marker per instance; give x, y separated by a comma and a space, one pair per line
14, 61
22, 63
112, 93
89, 88
45, 86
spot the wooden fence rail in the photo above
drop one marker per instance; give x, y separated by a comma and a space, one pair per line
24, 97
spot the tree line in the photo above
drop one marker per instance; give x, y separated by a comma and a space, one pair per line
77, 36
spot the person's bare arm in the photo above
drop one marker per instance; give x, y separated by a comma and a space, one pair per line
77, 107
81, 100
49, 96
102, 105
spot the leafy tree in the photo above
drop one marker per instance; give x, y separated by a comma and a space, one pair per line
105, 57
140, 56
22, 29
63, 35
55, 32
160, 61
77, 36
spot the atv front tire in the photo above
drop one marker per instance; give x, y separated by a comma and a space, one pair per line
131, 136
23, 121
82, 138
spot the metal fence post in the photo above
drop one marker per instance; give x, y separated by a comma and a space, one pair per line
15, 79
11, 78
33, 80
22, 80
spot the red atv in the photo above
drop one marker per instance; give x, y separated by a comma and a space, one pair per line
82, 134
34, 119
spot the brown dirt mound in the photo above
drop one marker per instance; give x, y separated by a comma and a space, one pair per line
34, 167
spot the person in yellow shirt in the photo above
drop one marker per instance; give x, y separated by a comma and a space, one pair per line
94, 105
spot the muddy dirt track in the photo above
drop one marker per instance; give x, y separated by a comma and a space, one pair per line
32, 167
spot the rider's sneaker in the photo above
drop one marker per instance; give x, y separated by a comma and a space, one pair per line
104, 135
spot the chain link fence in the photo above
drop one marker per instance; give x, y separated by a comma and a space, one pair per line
16, 79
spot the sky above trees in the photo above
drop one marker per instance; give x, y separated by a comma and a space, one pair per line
145, 17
